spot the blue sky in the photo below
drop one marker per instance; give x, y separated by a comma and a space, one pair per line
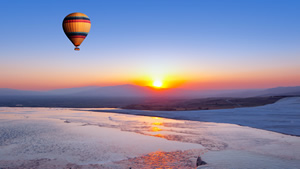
200, 41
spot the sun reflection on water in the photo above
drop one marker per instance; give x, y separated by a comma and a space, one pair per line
159, 135
158, 123
155, 129
166, 160
154, 125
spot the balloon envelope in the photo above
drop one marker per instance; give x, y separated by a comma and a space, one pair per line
76, 26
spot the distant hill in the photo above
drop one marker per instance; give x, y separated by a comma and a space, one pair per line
117, 91
14, 92
295, 90
69, 91
134, 91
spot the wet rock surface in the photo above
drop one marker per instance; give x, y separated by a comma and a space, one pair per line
200, 161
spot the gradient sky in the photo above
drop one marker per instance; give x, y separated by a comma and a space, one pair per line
195, 44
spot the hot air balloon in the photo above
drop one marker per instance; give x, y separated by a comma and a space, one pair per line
76, 26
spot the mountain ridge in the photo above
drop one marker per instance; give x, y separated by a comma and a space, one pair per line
129, 90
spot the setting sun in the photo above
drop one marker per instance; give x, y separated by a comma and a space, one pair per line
157, 83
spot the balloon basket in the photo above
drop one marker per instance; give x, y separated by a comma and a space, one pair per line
77, 49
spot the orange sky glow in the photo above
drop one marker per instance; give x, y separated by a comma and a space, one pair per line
223, 80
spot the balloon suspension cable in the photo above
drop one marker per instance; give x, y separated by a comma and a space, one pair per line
77, 48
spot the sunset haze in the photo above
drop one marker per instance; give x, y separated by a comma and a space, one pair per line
194, 44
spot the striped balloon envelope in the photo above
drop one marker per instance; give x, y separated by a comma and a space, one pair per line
76, 26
